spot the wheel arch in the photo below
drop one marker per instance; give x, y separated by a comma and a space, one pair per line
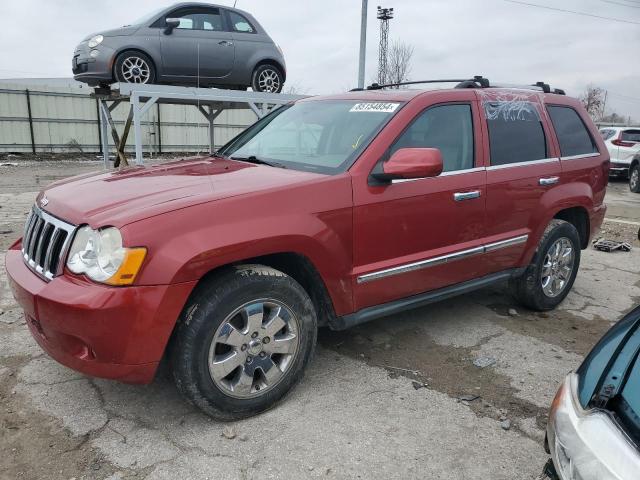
297, 266
579, 218
275, 63
126, 49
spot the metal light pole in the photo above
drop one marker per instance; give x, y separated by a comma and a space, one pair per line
363, 43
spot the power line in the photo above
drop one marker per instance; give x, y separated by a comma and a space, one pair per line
621, 4
584, 14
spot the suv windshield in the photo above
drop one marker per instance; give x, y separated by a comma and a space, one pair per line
323, 136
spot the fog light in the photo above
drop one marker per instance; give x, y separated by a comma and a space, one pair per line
94, 53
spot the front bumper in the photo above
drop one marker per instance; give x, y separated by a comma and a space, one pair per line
110, 332
587, 445
93, 70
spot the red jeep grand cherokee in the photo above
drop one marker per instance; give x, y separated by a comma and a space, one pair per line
330, 211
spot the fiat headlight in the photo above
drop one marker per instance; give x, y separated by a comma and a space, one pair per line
99, 255
95, 41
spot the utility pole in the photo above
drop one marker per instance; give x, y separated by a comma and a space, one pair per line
363, 43
384, 15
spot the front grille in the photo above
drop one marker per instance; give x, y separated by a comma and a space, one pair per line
45, 243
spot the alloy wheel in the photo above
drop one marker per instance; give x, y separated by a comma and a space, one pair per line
135, 70
557, 267
269, 81
253, 348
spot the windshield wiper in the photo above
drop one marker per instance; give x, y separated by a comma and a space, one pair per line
260, 161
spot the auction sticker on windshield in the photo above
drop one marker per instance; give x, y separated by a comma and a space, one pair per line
385, 107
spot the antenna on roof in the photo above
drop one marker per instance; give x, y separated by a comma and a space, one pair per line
234, 3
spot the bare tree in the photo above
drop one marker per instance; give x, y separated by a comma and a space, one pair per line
399, 62
593, 100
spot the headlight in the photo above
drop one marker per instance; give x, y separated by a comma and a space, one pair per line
99, 255
95, 41
587, 445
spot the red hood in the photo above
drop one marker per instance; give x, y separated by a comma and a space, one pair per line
121, 197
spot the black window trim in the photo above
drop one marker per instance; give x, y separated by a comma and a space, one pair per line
537, 161
597, 153
161, 22
227, 15
386, 155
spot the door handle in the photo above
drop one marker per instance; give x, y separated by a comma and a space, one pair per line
225, 43
460, 196
548, 181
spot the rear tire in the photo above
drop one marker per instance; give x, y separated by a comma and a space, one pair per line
267, 78
227, 357
549, 278
134, 67
634, 178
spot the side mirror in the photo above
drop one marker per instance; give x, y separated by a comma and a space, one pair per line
171, 23
409, 163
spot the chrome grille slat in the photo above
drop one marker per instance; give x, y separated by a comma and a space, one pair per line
45, 243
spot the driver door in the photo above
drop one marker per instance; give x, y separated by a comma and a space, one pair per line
412, 236
199, 46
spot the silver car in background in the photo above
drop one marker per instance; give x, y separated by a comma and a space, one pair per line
185, 44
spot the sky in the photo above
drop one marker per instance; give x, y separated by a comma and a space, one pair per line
504, 40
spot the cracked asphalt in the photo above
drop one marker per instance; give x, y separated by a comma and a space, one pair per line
396, 398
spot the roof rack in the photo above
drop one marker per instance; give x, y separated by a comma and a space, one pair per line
478, 81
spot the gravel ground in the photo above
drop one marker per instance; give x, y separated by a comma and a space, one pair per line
396, 398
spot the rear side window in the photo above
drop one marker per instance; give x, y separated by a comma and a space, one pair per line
240, 24
607, 133
571, 131
448, 128
515, 132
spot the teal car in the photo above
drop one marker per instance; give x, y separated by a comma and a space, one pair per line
593, 431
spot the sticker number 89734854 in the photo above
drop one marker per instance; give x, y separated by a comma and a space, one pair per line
383, 107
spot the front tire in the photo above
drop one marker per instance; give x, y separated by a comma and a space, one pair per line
134, 67
267, 78
634, 178
243, 342
548, 280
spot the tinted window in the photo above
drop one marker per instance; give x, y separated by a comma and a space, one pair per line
240, 24
572, 134
199, 19
515, 132
630, 136
448, 128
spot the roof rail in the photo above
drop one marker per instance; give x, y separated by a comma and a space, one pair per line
478, 81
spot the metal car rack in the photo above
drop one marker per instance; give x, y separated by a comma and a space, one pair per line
210, 102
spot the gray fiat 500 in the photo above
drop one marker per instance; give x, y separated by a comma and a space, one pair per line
186, 44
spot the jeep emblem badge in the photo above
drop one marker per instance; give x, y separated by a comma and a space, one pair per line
44, 201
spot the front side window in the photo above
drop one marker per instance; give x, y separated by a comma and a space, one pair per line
199, 19
449, 128
516, 134
571, 131
240, 24
323, 136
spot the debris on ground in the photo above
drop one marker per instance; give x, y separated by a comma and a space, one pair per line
415, 372
8, 164
505, 424
483, 362
609, 245
469, 398
418, 385
513, 312
229, 432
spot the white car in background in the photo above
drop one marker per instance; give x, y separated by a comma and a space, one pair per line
623, 144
